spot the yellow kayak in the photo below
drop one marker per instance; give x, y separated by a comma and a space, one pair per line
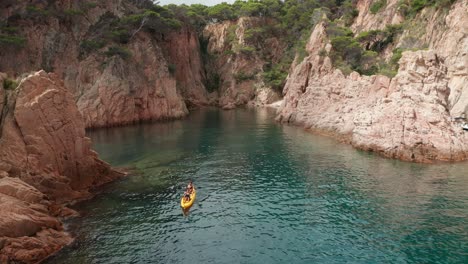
186, 204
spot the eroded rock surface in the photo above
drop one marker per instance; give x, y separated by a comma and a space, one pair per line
409, 117
46, 161
412, 121
149, 77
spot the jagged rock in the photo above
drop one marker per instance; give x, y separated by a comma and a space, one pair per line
452, 45
34, 249
407, 117
445, 33
129, 90
45, 161
111, 90
413, 121
20, 190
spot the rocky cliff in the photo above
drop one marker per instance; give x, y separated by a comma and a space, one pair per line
237, 60
410, 116
46, 162
118, 73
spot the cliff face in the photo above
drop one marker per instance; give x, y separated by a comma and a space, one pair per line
437, 29
238, 63
46, 161
410, 116
150, 77
366, 20
183, 49
126, 90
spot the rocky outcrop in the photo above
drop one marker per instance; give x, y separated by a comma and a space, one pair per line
412, 121
439, 29
183, 49
46, 161
409, 117
451, 42
149, 78
127, 90
238, 65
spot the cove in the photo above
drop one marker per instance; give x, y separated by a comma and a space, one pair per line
266, 193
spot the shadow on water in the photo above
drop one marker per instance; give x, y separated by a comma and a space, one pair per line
266, 193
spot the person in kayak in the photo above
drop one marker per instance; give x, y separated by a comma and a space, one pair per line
187, 196
189, 187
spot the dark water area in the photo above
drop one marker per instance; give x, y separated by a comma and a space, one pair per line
266, 193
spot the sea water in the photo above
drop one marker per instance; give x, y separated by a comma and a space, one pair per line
266, 193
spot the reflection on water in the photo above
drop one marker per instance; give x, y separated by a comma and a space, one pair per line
266, 193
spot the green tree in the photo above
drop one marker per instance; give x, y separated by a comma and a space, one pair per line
221, 12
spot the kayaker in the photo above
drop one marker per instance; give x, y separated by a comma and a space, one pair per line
190, 187
187, 196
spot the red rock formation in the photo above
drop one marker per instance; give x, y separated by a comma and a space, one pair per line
127, 90
46, 161
109, 90
183, 49
409, 117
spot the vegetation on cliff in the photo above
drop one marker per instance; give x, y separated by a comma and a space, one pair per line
410, 8
289, 21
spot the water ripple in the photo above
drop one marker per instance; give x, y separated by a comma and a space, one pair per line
266, 194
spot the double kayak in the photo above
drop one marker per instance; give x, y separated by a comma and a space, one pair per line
187, 204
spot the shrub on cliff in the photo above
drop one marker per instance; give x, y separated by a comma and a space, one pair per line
124, 53
348, 49
89, 46
378, 40
275, 75
244, 49
158, 19
121, 35
34, 11
9, 36
171, 68
213, 82
409, 8
9, 84
377, 6
361, 53
242, 76
11, 41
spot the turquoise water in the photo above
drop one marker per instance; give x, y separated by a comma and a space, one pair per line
266, 193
